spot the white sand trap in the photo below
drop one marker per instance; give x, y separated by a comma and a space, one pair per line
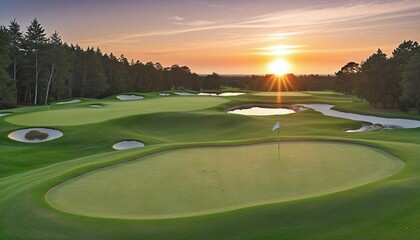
127, 145
70, 101
164, 94
261, 111
207, 94
365, 128
4, 114
231, 94
96, 105
225, 94
185, 94
386, 122
19, 135
129, 97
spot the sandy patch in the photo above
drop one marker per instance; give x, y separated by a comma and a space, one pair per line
70, 101
19, 135
129, 97
127, 145
185, 94
225, 94
207, 94
231, 94
4, 114
164, 94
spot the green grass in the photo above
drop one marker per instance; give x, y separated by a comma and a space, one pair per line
84, 114
195, 181
382, 209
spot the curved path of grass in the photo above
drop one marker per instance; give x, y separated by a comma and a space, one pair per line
83, 114
196, 181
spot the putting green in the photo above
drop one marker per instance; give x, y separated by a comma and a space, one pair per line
197, 181
114, 109
285, 94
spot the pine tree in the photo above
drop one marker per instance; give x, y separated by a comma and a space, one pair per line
35, 39
410, 83
6, 96
16, 51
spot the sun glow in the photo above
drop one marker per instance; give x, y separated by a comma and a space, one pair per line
279, 67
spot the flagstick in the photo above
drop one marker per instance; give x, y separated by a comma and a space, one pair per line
278, 143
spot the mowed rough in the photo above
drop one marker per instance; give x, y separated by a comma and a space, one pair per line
195, 181
85, 115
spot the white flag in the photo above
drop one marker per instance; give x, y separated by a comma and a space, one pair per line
277, 126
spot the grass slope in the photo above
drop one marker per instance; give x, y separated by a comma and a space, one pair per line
84, 114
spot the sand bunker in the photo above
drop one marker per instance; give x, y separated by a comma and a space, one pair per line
35, 135
364, 128
370, 127
185, 94
387, 123
262, 111
4, 114
70, 101
96, 105
127, 145
225, 94
129, 97
164, 94
207, 94
230, 94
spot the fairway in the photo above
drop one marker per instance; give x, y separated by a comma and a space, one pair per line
195, 181
84, 114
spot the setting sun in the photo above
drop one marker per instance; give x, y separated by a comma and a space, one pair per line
279, 67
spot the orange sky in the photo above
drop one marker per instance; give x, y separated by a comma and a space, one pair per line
235, 37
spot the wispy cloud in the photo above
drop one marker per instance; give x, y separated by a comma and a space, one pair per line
219, 6
177, 18
196, 23
278, 50
315, 20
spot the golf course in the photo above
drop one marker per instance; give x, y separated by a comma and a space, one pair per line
182, 166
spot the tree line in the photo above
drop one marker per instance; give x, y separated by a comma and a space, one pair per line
385, 82
36, 69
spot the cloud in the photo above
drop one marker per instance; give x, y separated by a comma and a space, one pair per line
196, 23
310, 21
279, 50
224, 7
177, 18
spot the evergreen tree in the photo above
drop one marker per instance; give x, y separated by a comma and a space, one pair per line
16, 51
346, 78
35, 40
371, 83
6, 86
410, 83
56, 58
